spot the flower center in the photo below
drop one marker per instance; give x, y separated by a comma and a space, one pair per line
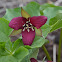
27, 26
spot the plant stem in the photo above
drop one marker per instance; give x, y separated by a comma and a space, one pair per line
59, 49
46, 52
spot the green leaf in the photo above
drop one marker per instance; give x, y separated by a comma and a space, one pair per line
51, 12
2, 49
12, 55
55, 19
32, 54
20, 53
11, 13
10, 50
57, 25
56, 22
8, 59
15, 50
17, 44
5, 30
31, 8
8, 47
45, 30
38, 42
44, 6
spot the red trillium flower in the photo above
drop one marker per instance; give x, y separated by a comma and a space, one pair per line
33, 60
28, 26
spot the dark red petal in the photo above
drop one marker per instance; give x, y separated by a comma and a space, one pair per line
17, 22
33, 60
38, 21
28, 37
